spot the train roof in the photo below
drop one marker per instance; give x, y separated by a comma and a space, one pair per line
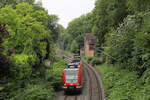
72, 65
76, 60
75, 54
71, 69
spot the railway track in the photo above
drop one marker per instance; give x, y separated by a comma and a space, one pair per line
90, 85
95, 91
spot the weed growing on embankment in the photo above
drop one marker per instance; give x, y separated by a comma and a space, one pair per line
120, 84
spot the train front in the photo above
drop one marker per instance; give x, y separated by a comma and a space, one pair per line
72, 79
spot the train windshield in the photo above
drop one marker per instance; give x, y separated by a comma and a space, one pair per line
71, 76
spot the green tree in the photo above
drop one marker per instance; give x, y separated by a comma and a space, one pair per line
119, 43
53, 26
107, 15
138, 6
74, 46
76, 30
3, 3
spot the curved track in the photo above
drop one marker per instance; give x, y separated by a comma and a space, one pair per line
95, 92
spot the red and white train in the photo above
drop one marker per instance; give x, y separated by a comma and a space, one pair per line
72, 76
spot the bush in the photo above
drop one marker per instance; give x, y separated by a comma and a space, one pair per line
35, 92
119, 84
21, 66
124, 85
143, 87
55, 74
95, 61
89, 59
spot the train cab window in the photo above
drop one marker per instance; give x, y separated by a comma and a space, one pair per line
70, 66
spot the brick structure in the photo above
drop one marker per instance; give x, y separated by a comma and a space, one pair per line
82, 51
89, 42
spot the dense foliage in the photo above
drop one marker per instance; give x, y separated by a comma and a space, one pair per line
121, 28
94, 61
122, 84
129, 43
27, 36
4, 68
126, 43
58, 66
3, 3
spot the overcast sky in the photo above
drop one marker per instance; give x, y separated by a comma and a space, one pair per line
67, 10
